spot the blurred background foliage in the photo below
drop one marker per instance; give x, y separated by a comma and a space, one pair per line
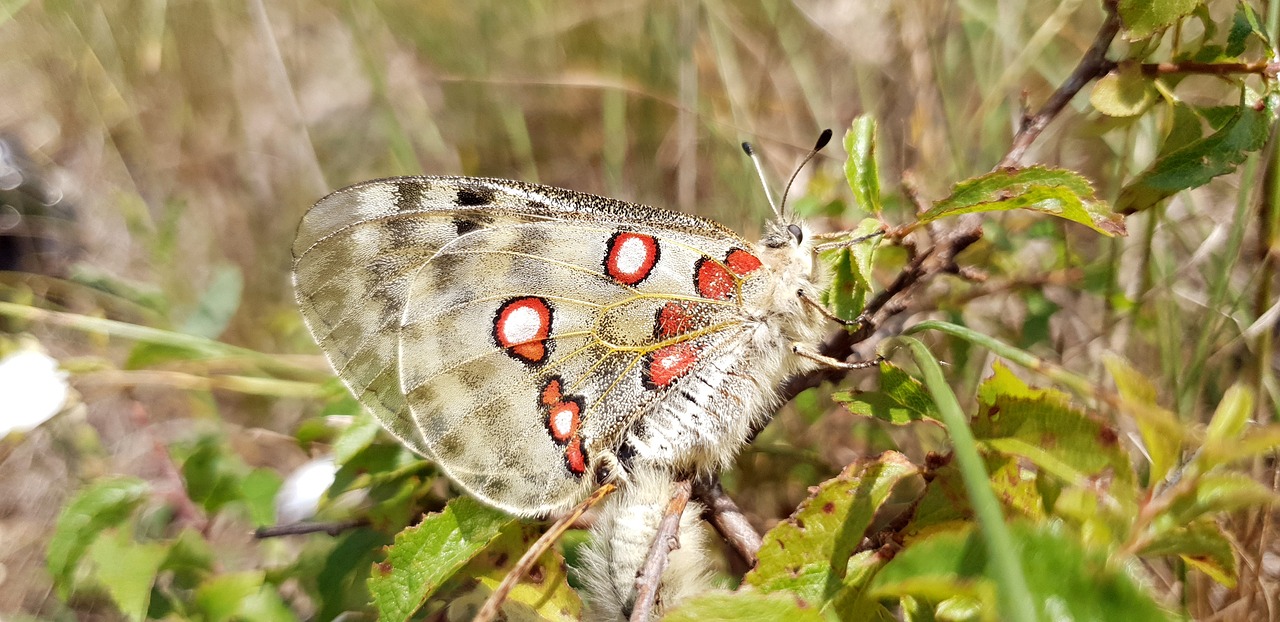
161, 153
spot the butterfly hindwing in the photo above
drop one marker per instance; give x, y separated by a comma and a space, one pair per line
528, 349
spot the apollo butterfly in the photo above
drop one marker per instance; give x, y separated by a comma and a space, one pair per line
537, 342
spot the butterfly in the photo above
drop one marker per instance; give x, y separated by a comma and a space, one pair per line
536, 342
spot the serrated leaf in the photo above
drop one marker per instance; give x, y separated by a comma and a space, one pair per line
1143, 18
127, 569
808, 554
1124, 92
426, 555
1245, 24
1202, 544
1041, 425
860, 169
1137, 392
744, 606
103, 504
900, 400
1194, 164
1066, 581
1055, 192
850, 269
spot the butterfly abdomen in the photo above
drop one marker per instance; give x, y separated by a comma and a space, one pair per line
621, 537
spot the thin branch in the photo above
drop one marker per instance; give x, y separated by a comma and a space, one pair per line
1262, 68
729, 520
299, 529
1094, 65
666, 540
491, 607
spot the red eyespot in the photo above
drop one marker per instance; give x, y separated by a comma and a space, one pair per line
521, 326
672, 320
630, 257
574, 457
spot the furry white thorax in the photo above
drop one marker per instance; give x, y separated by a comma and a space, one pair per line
736, 391
620, 540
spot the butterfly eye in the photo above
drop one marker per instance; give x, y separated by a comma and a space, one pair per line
796, 233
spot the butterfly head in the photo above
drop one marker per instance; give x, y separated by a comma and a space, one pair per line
787, 247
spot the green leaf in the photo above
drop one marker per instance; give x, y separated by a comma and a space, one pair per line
1213, 493
1137, 392
127, 569
241, 596
218, 304
900, 400
103, 504
543, 593
1245, 24
213, 477
1041, 426
1066, 581
1231, 416
860, 169
1124, 92
426, 555
1055, 192
1202, 544
808, 554
1194, 164
1143, 18
744, 606
355, 437
258, 489
851, 271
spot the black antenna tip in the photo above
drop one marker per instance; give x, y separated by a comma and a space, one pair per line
823, 140
748, 148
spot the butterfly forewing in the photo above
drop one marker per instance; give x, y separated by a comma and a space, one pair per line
514, 332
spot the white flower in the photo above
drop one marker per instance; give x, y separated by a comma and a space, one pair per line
32, 389
299, 497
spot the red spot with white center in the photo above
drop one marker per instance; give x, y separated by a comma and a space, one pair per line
672, 320
666, 365
713, 280
563, 421
741, 262
630, 257
522, 326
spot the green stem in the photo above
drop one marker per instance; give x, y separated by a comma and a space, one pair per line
1015, 597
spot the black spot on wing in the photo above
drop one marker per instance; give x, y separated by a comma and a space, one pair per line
465, 226
471, 196
409, 194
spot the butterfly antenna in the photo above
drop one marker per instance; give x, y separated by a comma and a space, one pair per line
823, 139
755, 159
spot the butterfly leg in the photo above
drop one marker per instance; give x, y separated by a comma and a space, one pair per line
858, 321
806, 352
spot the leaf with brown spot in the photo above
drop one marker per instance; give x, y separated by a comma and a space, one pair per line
809, 554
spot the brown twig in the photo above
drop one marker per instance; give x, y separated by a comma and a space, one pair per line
729, 520
490, 609
1263, 68
1094, 65
299, 529
666, 540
